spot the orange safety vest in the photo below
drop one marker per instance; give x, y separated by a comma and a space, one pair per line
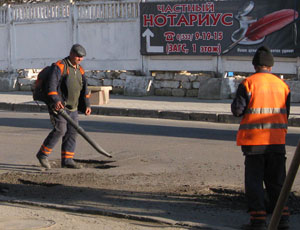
265, 120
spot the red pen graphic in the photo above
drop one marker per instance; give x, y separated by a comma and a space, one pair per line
267, 25
270, 23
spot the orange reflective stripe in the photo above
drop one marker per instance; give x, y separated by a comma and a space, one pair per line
67, 157
258, 218
285, 211
45, 150
53, 93
81, 70
258, 213
60, 65
66, 154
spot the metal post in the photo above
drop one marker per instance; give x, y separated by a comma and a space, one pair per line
219, 67
10, 39
286, 189
74, 21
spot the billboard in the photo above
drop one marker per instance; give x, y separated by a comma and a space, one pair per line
233, 27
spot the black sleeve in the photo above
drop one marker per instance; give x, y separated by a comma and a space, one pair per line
53, 84
240, 102
84, 101
86, 91
288, 105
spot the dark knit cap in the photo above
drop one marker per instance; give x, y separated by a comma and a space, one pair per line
263, 57
78, 50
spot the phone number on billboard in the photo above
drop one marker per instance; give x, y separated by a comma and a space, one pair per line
172, 36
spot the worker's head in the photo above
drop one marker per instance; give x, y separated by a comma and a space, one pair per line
77, 53
263, 59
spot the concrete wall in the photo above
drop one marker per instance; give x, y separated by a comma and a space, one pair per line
34, 35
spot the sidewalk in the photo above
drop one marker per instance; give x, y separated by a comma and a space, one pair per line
152, 106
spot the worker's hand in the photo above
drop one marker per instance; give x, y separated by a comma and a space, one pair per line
58, 105
88, 111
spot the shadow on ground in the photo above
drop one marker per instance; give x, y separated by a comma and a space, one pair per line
208, 205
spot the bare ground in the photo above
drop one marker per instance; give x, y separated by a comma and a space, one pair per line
165, 195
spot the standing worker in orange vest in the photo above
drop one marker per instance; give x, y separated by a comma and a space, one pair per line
263, 101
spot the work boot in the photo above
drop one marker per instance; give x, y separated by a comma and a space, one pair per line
70, 163
283, 224
284, 220
255, 225
43, 161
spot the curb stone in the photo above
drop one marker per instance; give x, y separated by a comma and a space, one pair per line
294, 121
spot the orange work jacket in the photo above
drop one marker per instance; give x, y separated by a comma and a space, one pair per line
265, 120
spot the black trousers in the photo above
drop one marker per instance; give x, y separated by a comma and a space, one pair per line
61, 129
264, 172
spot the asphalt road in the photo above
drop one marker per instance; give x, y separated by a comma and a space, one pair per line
132, 140
170, 141
23, 133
